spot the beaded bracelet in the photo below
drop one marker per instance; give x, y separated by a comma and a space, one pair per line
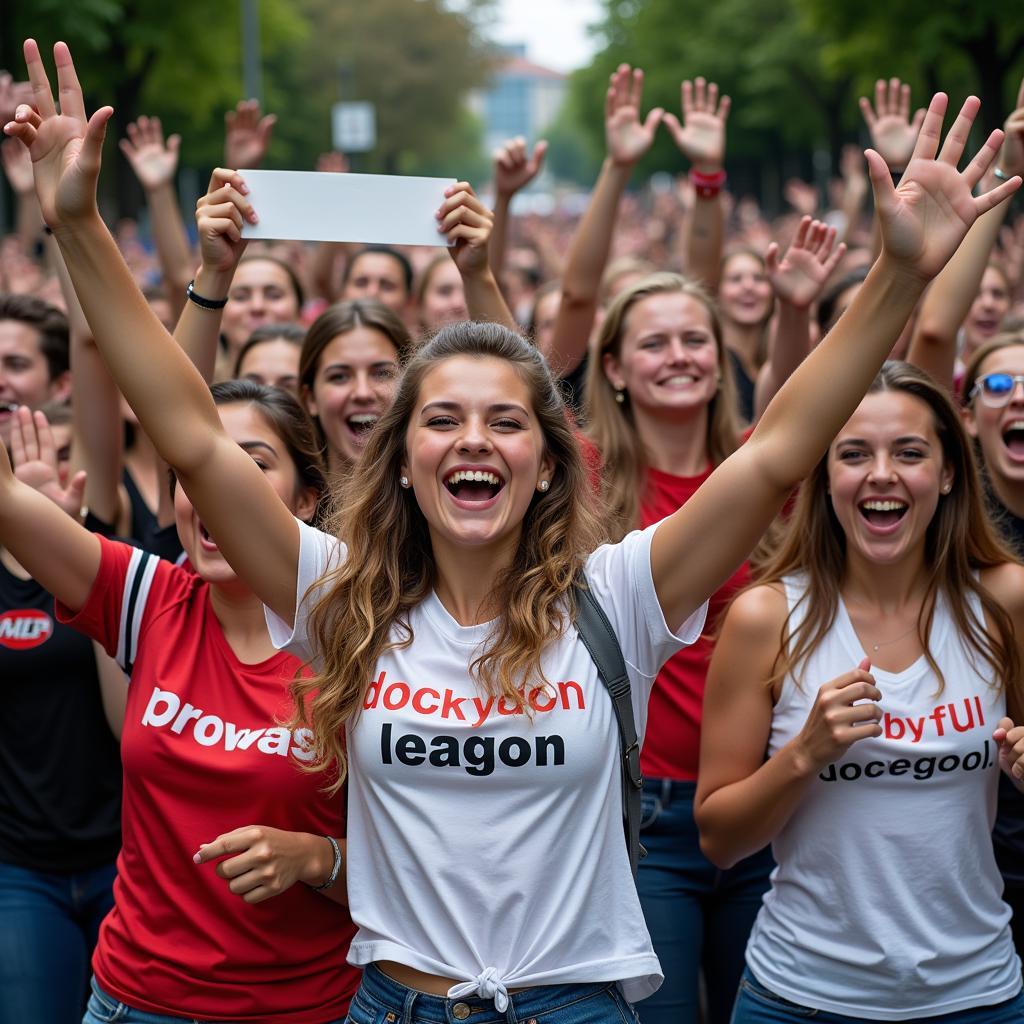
335, 869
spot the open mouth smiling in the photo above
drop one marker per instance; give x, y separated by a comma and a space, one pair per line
1013, 438
473, 488
360, 424
882, 513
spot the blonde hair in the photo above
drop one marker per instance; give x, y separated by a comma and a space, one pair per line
611, 424
364, 606
959, 541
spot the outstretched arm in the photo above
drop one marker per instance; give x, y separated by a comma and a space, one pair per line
154, 162
627, 139
255, 531
798, 280
514, 169
948, 301
701, 139
922, 222
467, 222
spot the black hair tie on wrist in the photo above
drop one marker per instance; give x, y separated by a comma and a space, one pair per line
199, 300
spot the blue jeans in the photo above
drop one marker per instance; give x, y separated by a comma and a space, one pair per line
48, 928
756, 1005
105, 1009
699, 917
380, 1000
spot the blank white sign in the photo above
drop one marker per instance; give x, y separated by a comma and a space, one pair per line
319, 206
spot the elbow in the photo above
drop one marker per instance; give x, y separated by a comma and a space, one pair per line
577, 298
933, 334
720, 853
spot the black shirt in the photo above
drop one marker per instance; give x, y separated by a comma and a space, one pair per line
60, 766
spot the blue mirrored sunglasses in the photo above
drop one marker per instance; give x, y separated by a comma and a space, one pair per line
996, 389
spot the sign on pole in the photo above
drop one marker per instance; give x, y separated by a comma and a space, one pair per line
353, 127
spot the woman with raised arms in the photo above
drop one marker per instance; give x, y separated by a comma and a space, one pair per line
486, 864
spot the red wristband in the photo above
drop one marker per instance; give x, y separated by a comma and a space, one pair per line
707, 186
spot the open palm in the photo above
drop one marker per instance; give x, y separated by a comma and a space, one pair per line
925, 219
626, 136
701, 136
800, 275
65, 148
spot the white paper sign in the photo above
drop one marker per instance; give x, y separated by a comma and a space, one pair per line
319, 206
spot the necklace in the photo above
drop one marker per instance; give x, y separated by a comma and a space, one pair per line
885, 643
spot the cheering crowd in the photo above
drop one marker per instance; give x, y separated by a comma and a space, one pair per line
302, 547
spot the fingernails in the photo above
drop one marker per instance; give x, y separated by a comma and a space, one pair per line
253, 218
243, 188
197, 858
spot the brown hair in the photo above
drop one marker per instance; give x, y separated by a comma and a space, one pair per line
959, 541
364, 606
49, 323
293, 278
611, 424
339, 319
292, 333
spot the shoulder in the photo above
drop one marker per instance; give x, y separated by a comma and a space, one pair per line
1006, 584
758, 613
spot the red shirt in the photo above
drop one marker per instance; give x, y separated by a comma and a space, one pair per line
203, 754
671, 747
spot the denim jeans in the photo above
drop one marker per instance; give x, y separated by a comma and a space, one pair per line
48, 927
699, 917
756, 1005
105, 1009
381, 1000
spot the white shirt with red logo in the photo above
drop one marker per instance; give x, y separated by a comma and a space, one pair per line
486, 843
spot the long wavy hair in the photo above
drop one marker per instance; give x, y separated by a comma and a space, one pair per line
611, 423
364, 605
959, 542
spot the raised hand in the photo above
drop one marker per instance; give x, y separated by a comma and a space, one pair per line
262, 862
12, 95
34, 454
153, 160
65, 148
701, 136
893, 132
17, 166
246, 134
468, 223
925, 219
626, 137
515, 167
844, 711
800, 275
1011, 159
220, 215
801, 196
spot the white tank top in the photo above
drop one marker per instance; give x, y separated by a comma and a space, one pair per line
886, 903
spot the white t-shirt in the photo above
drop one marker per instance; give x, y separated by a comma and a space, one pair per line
482, 845
886, 902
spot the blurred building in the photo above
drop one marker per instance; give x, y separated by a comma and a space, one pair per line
523, 99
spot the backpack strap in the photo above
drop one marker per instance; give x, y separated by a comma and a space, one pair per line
603, 646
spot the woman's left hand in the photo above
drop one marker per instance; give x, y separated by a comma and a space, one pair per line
65, 148
800, 275
468, 223
925, 219
263, 862
1010, 739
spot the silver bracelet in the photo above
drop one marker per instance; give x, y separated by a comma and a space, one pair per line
335, 869
1000, 174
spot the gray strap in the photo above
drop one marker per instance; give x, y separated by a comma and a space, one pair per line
603, 646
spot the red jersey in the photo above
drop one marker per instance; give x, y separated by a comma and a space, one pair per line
204, 753
671, 747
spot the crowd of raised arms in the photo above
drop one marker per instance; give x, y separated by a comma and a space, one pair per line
336, 579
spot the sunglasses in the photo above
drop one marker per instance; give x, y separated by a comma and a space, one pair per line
996, 389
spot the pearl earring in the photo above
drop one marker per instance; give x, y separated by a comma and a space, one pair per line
946, 488
620, 395
404, 481
543, 485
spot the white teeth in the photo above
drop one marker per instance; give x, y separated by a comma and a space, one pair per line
1013, 425
367, 417
683, 378
480, 476
884, 506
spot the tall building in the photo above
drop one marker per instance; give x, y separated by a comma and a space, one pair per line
523, 99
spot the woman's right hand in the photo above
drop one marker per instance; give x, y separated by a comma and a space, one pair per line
627, 137
837, 720
925, 219
65, 148
220, 215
